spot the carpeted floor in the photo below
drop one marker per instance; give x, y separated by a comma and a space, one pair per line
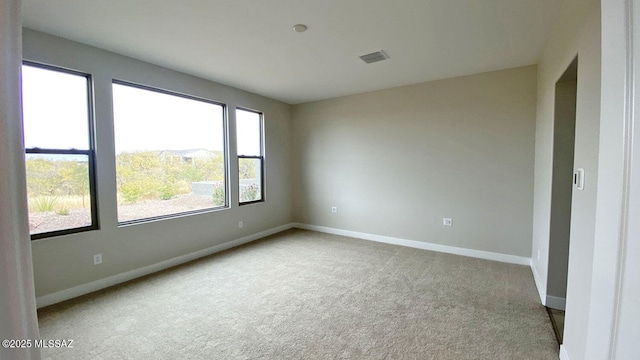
307, 295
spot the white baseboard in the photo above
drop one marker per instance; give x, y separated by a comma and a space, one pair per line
555, 302
83, 289
512, 259
563, 353
542, 290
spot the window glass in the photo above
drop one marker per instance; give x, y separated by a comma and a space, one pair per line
55, 109
250, 157
249, 135
250, 179
59, 152
170, 153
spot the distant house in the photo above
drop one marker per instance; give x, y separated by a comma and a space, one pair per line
189, 155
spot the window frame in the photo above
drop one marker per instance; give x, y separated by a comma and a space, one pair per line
225, 146
90, 153
255, 157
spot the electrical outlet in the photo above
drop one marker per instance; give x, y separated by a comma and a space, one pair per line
334, 209
447, 221
538, 255
97, 259
240, 224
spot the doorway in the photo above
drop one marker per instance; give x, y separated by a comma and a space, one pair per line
564, 129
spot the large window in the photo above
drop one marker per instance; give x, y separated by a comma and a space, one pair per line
59, 151
170, 153
250, 156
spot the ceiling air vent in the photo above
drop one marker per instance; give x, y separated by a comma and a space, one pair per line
374, 57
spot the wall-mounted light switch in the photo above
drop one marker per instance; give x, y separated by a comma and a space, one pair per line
578, 179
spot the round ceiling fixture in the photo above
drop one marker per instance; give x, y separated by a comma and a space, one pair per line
300, 28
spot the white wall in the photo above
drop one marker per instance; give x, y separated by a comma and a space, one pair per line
627, 329
17, 302
613, 330
583, 215
577, 33
395, 162
628, 323
65, 262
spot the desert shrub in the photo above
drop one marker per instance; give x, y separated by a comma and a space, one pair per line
249, 193
247, 168
47, 177
130, 192
168, 191
43, 203
64, 211
148, 175
218, 195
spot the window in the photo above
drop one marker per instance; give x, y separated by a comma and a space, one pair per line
250, 156
59, 159
170, 153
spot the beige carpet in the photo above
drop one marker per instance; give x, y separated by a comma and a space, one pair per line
306, 295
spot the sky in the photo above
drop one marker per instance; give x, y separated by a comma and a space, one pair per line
54, 108
149, 120
248, 130
55, 116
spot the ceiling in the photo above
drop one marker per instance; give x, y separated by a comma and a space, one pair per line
251, 44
